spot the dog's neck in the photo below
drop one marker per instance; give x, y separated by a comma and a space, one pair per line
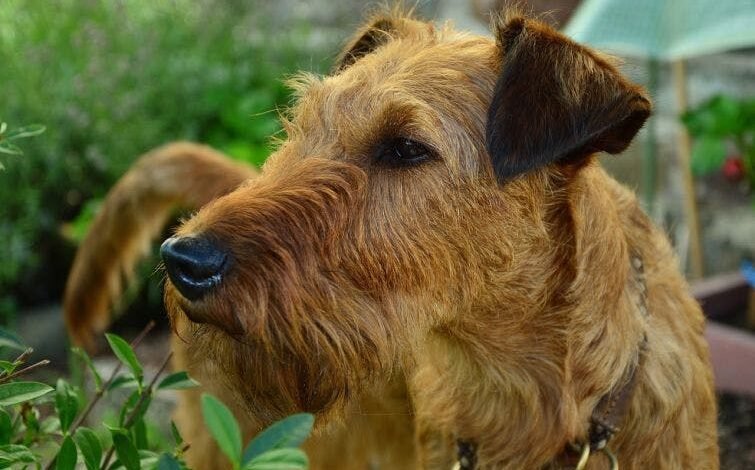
554, 362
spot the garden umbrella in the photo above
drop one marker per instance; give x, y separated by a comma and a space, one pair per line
664, 29
667, 30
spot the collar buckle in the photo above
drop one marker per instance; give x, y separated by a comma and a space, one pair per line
586, 452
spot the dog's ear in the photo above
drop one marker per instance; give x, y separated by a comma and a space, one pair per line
376, 32
556, 101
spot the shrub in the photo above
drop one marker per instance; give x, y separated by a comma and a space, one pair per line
46, 427
111, 80
724, 132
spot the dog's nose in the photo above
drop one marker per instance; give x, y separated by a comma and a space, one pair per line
194, 264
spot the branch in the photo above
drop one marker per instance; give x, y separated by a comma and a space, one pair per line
101, 392
41, 363
20, 359
132, 416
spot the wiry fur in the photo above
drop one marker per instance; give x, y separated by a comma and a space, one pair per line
178, 175
486, 294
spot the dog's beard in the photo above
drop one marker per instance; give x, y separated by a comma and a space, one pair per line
273, 371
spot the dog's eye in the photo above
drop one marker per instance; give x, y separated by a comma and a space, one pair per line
402, 152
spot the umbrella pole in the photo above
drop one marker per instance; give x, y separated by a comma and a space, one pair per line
678, 69
649, 161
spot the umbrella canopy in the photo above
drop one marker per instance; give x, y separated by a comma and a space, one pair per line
664, 29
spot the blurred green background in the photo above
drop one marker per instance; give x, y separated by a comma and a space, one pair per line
110, 80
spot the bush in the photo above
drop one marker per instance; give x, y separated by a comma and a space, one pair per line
724, 132
45, 427
111, 80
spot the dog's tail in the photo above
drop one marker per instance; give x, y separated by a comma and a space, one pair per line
178, 175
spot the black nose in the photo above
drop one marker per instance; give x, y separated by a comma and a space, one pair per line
194, 264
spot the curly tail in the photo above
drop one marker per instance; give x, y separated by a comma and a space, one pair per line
136, 209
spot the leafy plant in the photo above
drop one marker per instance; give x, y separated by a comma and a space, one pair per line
274, 448
7, 138
724, 132
113, 79
45, 427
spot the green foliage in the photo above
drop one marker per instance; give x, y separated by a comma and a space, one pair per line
14, 393
112, 79
279, 459
66, 404
168, 462
287, 433
89, 446
128, 454
84, 357
717, 125
7, 138
25, 441
223, 427
177, 381
67, 455
126, 354
275, 448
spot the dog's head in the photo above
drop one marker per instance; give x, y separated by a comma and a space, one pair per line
412, 189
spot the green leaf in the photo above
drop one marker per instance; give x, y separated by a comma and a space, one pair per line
135, 406
176, 435
177, 381
125, 450
90, 365
279, 459
11, 340
288, 432
79, 226
223, 427
139, 432
10, 149
125, 353
720, 116
708, 154
147, 459
90, 447
66, 459
67, 404
50, 425
168, 462
6, 427
18, 392
7, 367
25, 132
123, 381
13, 453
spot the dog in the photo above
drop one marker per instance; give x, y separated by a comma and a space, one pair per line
433, 263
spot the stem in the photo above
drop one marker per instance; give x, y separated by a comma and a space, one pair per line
20, 359
41, 363
148, 391
101, 392
132, 416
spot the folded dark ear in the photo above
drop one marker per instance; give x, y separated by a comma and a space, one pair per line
556, 101
376, 32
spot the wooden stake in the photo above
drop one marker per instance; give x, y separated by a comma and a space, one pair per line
684, 150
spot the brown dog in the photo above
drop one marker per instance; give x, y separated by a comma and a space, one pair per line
433, 263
